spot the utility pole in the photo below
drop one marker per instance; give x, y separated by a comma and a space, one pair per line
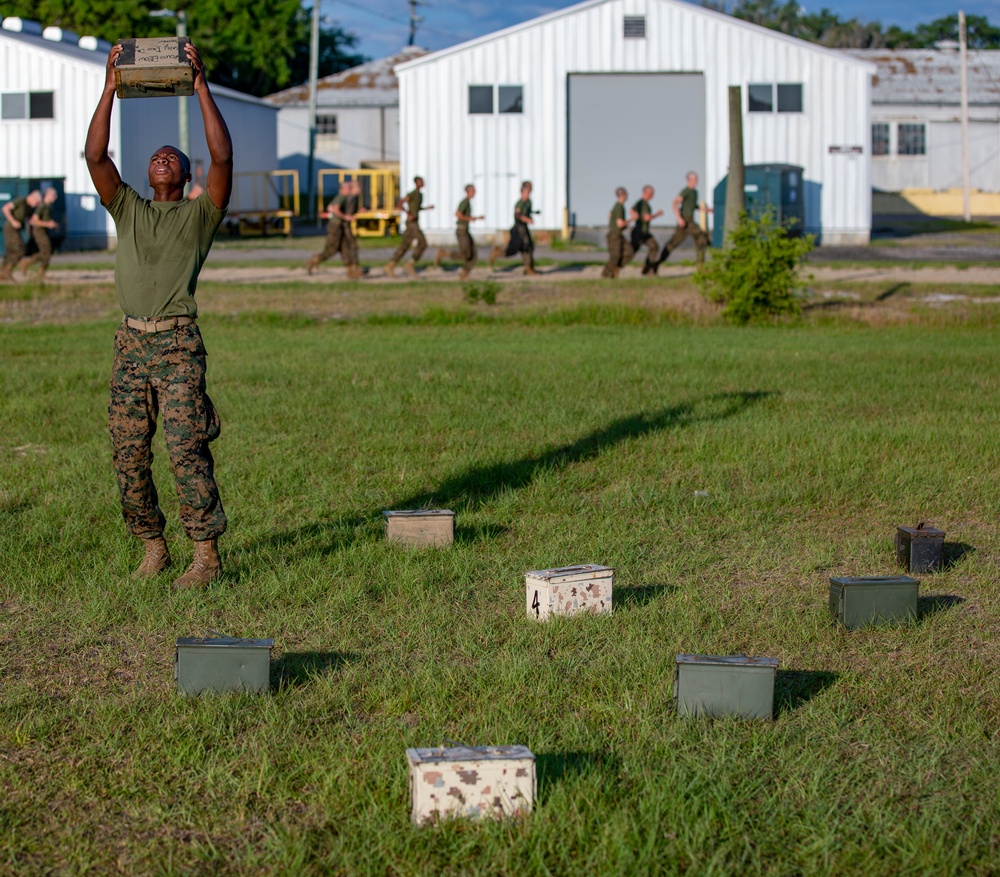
735, 193
314, 209
414, 20
963, 42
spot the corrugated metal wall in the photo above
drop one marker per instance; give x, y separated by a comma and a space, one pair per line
449, 147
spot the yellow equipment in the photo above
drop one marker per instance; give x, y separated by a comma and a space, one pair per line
263, 202
377, 215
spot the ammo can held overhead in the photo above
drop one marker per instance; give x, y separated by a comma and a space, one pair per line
920, 549
725, 685
859, 600
155, 67
223, 664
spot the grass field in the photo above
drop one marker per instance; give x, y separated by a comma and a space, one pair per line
554, 444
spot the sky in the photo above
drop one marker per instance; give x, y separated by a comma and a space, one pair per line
383, 25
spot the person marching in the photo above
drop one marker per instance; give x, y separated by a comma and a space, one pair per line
159, 362
414, 202
685, 205
620, 250
339, 231
466, 251
41, 223
520, 235
642, 215
16, 213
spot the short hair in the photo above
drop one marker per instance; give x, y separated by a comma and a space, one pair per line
692, 173
620, 191
525, 184
418, 179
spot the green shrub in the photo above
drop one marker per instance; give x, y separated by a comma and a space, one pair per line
756, 275
485, 292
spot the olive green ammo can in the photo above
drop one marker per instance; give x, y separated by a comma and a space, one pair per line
223, 664
730, 685
920, 548
155, 67
857, 601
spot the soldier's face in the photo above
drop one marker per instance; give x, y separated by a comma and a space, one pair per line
169, 168
692, 180
648, 192
470, 192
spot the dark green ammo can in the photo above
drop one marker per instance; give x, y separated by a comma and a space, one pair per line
223, 664
730, 685
857, 601
920, 548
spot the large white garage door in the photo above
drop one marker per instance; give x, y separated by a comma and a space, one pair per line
629, 129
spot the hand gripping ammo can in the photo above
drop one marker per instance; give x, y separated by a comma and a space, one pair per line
920, 549
223, 664
725, 685
857, 601
156, 67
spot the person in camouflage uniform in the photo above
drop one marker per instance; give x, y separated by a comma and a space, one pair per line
620, 250
642, 215
41, 223
520, 235
159, 364
466, 251
685, 205
17, 213
339, 233
413, 203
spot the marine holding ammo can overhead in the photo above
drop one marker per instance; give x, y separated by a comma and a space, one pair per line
155, 67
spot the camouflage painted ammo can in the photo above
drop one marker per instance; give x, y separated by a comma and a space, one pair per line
471, 781
857, 601
223, 664
421, 527
725, 685
568, 590
155, 67
920, 548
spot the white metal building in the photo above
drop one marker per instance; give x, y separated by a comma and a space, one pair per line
916, 125
357, 117
49, 88
625, 92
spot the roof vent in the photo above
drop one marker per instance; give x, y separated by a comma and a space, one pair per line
93, 44
635, 27
22, 25
59, 35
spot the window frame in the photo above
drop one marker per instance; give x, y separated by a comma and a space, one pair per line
519, 111
903, 139
750, 97
887, 128
787, 86
481, 90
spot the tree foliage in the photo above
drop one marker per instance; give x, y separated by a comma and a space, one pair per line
829, 29
253, 47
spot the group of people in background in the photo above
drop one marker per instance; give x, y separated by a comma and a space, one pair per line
622, 246
34, 214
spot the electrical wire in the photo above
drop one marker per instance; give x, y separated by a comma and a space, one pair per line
404, 21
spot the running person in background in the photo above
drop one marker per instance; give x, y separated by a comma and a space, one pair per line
466, 251
685, 205
41, 223
520, 235
620, 250
339, 231
642, 215
17, 214
413, 203
159, 364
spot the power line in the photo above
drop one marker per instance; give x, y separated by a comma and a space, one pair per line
397, 20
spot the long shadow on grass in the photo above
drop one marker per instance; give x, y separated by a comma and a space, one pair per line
792, 688
294, 669
558, 767
479, 483
934, 603
633, 598
954, 552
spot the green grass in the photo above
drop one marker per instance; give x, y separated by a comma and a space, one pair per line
554, 444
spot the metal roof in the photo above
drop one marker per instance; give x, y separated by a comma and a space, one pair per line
932, 76
370, 84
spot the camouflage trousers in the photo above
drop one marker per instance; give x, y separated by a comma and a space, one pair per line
645, 239
695, 231
521, 242
13, 245
466, 252
164, 371
339, 239
620, 253
44, 244
412, 233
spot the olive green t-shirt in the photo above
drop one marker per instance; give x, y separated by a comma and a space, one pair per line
689, 202
642, 207
523, 207
617, 212
161, 248
20, 211
465, 208
348, 205
414, 201
43, 212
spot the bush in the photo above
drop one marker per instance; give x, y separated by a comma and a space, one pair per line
756, 275
485, 292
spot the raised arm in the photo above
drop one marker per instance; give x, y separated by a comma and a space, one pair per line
102, 169
219, 179
8, 212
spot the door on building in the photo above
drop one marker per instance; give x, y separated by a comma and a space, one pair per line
630, 129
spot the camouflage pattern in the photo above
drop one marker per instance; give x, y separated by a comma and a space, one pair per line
466, 253
620, 253
154, 372
411, 235
339, 239
569, 590
13, 246
473, 782
44, 244
695, 231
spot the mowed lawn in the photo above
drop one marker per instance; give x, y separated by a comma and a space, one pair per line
554, 445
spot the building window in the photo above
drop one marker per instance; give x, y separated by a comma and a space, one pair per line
911, 139
480, 100
789, 97
880, 138
761, 98
510, 99
327, 135
635, 27
27, 105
